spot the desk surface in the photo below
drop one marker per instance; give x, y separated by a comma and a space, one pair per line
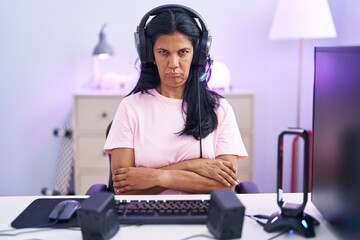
11, 207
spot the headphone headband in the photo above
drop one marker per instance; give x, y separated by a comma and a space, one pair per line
145, 50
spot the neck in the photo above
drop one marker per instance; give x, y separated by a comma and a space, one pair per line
176, 93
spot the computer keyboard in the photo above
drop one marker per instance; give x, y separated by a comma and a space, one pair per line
162, 211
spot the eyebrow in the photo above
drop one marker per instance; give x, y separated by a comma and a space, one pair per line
184, 49
181, 49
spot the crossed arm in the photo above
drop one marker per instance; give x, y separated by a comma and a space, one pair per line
193, 176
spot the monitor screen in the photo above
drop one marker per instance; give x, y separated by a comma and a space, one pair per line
336, 135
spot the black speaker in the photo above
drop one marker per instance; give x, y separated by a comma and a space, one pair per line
144, 48
226, 215
98, 217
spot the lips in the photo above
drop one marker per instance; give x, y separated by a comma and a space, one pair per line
173, 75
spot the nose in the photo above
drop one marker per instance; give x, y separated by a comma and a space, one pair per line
173, 61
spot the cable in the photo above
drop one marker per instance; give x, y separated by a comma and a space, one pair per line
139, 224
202, 78
279, 234
198, 235
255, 219
200, 124
47, 227
262, 216
7, 230
18, 233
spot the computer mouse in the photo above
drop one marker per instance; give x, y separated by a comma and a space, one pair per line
64, 210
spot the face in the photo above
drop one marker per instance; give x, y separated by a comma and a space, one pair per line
173, 55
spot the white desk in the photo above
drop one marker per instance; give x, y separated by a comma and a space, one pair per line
11, 207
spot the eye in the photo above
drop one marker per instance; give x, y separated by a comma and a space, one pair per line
183, 52
162, 52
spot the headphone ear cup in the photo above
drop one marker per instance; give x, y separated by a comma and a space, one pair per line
140, 43
143, 46
202, 49
205, 44
149, 51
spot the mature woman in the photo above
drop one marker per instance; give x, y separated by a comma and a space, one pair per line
171, 134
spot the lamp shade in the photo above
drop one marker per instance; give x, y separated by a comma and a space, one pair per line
103, 49
220, 77
300, 19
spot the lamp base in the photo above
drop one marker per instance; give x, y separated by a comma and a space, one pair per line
303, 224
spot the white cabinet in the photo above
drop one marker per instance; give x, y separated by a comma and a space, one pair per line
94, 110
243, 106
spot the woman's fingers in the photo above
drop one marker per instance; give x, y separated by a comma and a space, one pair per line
124, 189
220, 170
120, 171
222, 180
231, 176
227, 172
119, 178
118, 183
225, 178
229, 165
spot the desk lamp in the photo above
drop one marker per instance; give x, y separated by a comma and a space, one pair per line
301, 19
292, 215
102, 51
220, 77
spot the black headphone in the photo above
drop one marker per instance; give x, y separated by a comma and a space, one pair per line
144, 46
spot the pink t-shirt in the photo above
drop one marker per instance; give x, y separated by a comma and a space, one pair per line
149, 124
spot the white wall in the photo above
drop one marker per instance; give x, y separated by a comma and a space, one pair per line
46, 51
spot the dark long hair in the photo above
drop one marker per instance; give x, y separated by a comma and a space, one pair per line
169, 22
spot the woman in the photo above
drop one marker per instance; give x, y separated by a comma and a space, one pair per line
157, 142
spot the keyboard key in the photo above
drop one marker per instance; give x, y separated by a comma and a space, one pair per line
162, 212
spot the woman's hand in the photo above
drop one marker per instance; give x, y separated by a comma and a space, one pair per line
134, 178
217, 169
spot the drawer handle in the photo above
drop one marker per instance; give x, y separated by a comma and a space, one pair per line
104, 115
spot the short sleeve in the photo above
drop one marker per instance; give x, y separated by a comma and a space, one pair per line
121, 134
229, 140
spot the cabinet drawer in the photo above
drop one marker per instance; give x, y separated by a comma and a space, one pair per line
91, 154
95, 113
242, 106
87, 179
245, 166
245, 177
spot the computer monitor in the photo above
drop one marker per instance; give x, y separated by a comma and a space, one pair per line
336, 136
